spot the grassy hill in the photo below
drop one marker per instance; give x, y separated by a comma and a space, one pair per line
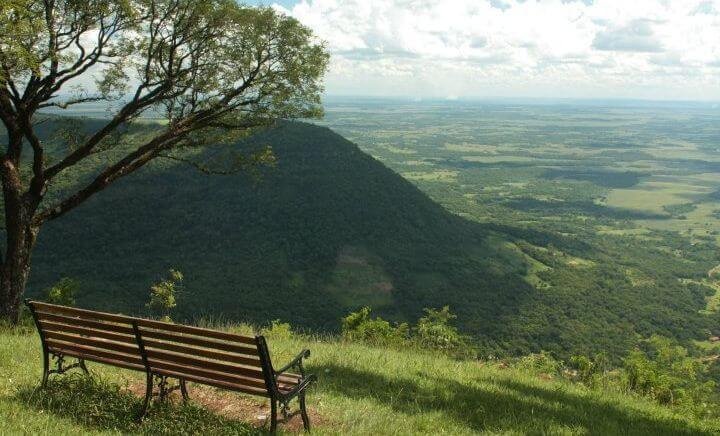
330, 229
361, 390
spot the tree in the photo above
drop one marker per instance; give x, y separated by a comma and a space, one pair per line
214, 69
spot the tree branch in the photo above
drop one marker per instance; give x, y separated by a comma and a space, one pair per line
125, 166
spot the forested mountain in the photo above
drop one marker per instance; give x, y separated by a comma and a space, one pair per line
329, 229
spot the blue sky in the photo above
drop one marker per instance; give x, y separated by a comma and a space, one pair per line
649, 49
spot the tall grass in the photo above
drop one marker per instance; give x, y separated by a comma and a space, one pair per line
361, 390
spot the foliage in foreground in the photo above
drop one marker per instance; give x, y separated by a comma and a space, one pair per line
432, 331
658, 369
362, 389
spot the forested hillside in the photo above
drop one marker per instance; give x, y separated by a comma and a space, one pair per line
329, 229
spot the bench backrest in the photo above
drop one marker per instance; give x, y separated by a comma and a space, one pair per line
221, 359
89, 335
226, 360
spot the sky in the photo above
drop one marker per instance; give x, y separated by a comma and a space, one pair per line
457, 49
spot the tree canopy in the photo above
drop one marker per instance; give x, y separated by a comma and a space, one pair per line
214, 70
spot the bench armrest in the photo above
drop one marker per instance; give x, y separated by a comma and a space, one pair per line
296, 363
307, 381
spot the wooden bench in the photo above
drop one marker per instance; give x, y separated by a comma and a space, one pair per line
168, 351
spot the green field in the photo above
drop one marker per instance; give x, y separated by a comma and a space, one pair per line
361, 390
605, 173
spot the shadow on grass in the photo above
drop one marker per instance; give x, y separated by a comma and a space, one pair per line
96, 404
503, 405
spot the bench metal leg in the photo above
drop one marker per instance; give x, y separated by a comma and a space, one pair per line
303, 412
273, 415
183, 390
60, 367
46, 370
148, 397
81, 364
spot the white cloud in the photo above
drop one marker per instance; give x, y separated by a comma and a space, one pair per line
636, 36
561, 48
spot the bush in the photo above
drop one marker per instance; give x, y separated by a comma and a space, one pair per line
663, 371
583, 367
594, 372
358, 326
163, 295
63, 292
278, 330
541, 363
433, 331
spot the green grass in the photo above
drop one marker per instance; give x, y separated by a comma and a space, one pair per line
361, 390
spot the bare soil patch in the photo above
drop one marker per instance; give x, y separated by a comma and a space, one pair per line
231, 405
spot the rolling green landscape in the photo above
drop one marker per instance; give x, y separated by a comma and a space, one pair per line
495, 217
520, 218
633, 185
574, 232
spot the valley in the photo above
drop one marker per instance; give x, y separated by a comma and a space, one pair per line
631, 179
573, 230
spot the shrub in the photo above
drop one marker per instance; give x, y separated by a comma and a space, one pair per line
359, 326
433, 331
163, 295
584, 368
663, 371
63, 292
278, 330
541, 363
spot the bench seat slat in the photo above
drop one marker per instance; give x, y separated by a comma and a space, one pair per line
92, 342
217, 383
83, 351
199, 342
194, 351
99, 325
160, 367
154, 355
50, 326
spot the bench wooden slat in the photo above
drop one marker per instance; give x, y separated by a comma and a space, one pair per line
195, 331
85, 351
154, 355
194, 351
81, 313
217, 383
124, 319
199, 342
92, 342
99, 325
49, 326
289, 378
105, 360
160, 367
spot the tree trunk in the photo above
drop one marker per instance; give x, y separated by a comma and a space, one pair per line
20, 237
13, 277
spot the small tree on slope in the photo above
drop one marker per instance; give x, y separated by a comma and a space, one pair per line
215, 70
163, 295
